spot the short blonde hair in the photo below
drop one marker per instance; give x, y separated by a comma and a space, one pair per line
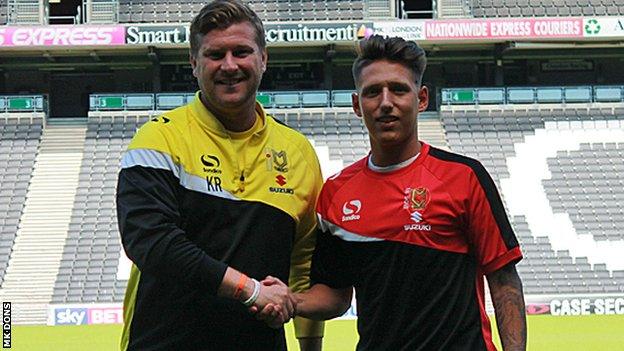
221, 14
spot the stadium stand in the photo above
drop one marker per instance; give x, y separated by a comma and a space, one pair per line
100, 11
4, 13
586, 184
20, 134
24, 12
42, 230
550, 8
590, 186
444, 8
158, 11
88, 270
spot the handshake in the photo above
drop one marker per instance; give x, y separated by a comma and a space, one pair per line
270, 300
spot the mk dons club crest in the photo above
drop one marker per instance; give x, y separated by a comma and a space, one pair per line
277, 160
415, 201
418, 199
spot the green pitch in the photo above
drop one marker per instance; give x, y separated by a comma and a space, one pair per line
596, 333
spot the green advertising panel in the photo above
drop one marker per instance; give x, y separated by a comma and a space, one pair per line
264, 99
462, 96
111, 102
20, 103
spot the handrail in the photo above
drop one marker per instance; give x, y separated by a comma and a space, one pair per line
166, 101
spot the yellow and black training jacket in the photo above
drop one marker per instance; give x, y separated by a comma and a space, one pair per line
188, 207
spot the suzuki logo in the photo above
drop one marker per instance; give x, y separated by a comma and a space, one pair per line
417, 225
416, 217
280, 179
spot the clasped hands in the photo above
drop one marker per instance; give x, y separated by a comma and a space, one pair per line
276, 304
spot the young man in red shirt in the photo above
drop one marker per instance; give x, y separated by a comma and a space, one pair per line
414, 229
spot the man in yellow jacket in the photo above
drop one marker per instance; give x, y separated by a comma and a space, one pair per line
213, 197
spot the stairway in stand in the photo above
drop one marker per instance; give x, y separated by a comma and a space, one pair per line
36, 256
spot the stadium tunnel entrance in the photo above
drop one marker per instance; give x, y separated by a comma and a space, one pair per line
69, 92
65, 11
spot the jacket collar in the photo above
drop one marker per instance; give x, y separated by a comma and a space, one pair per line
208, 121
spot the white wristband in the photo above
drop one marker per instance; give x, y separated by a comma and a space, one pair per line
254, 295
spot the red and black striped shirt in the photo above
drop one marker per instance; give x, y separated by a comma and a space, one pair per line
415, 243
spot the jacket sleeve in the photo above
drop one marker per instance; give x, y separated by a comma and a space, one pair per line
305, 242
149, 222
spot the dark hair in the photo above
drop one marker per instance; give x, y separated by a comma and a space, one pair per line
220, 14
395, 49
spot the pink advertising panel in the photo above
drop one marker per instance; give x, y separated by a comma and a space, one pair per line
62, 36
105, 315
530, 28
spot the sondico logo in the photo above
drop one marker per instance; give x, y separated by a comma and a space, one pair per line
211, 165
210, 161
350, 209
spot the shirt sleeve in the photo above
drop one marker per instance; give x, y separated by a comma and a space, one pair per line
149, 222
332, 262
489, 231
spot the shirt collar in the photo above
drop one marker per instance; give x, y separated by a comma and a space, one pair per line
390, 168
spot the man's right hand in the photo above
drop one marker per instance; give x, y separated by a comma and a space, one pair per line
276, 304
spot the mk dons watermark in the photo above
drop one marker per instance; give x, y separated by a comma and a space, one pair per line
6, 325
